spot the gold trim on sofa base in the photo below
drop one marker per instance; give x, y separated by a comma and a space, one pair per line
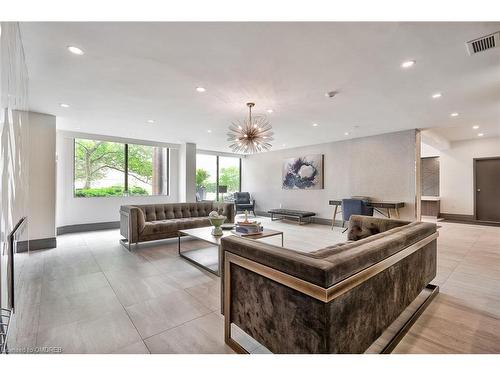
318, 292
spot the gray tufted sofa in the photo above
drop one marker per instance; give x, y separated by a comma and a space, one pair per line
139, 223
339, 299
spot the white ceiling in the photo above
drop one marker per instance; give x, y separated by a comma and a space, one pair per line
132, 72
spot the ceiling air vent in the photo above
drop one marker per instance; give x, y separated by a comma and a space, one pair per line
484, 43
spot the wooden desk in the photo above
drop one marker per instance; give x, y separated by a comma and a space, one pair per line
382, 207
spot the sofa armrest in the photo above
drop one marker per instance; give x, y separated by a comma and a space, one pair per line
226, 209
365, 226
289, 261
132, 223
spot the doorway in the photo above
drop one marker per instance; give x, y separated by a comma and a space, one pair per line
487, 189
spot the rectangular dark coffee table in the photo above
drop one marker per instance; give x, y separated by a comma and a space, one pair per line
283, 212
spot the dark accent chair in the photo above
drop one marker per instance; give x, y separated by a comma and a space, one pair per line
242, 202
354, 206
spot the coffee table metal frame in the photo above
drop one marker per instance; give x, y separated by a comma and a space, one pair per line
215, 241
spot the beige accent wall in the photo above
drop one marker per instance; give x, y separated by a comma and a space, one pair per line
381, 167
42, 176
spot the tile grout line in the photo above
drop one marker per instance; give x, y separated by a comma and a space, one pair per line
128, 315
40, 304
460, 262
121, 304
179, 325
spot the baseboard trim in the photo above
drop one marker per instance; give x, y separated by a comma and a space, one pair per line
87, 227
37, 244
460, 217
467, 219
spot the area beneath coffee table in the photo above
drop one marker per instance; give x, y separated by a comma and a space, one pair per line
207, 258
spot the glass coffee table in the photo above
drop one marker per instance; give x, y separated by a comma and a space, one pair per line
209, 257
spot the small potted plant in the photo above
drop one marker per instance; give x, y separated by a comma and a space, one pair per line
216, 220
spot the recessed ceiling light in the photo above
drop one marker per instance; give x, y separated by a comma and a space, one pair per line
331, 94
151, 121
454, 114
407, 64
209, 131
201, 89
480, 134
346, 133
437, 95
270, 111
64, 105
475, 127
284, 144
315, 125
75, 50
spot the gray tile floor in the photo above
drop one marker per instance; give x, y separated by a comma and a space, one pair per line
91, 295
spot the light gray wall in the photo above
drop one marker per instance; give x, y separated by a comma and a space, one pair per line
42, 176
456, 173
381, 167
71, 210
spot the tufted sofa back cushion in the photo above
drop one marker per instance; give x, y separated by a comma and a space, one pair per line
167, 211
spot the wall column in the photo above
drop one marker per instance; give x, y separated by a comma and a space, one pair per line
42, 182
187, 172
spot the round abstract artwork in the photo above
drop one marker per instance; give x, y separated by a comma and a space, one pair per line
305, 172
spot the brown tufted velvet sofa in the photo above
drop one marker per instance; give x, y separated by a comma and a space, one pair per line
339, 299
152, 222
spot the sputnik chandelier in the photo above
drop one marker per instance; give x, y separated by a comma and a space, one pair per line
251, 135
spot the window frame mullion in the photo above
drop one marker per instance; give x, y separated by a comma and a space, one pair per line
126, 169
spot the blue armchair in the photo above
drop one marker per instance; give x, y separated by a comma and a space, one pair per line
355, 207
242, 202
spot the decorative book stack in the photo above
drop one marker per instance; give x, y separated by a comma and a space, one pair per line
248, 228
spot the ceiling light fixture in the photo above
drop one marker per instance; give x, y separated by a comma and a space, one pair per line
437, 95
64, 105
201, 89
75, 50
251, 135
209, 131
269, 111
480, 134
475, 127
408, 64
315, 125
346, 133
454, 114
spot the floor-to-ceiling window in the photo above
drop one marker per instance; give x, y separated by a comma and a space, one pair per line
217, 177
229, 177
206, 177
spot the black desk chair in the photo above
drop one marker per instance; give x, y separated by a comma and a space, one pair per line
242, 202
354, 207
